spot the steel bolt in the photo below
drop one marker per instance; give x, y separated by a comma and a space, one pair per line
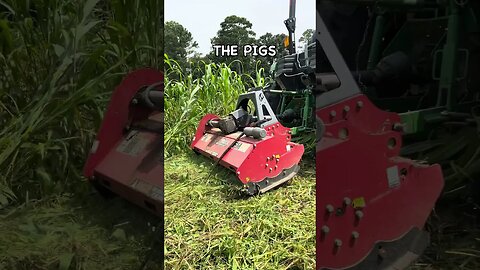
134, 101
359, 214
347, 201
278, 160
325, 230
268, 158
266, 165
338, 243
355, 235
398, 127
346, 109
276, 167
359, 104
270, 169
330, 208
238, 172
333, 113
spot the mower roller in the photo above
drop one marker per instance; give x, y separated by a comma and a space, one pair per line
127, 155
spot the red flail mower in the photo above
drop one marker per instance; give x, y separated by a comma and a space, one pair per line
127, 156
254, 145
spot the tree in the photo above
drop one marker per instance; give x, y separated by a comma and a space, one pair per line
276, 40
234, 30
179, 43
306, 37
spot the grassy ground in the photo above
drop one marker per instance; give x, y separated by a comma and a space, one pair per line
79, 232
210, 224
455, 237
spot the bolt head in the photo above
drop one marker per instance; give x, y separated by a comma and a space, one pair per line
359, 214
338, 242
333, 113
329, 208
355, 235
398, 127
325, 229
347, 201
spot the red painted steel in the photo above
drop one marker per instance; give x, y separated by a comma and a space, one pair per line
253, 160
358, 161
130, 163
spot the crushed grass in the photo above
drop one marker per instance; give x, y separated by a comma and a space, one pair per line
455, 237
89, 232
211, 224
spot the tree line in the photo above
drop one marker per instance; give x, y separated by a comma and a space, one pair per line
181, 47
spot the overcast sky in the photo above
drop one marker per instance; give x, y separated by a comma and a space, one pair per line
203, 18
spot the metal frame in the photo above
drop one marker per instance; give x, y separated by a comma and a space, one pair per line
348, 87
259, 100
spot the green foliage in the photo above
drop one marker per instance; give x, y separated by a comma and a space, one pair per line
188, 99
272, 40
209, 224
306, 37
65, 59
179, 43
68, 233
235, 30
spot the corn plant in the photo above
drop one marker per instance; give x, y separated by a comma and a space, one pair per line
188, 99
59, 61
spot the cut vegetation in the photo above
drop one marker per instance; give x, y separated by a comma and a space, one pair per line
211, 224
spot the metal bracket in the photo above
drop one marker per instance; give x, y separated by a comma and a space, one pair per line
262, 108
348, 87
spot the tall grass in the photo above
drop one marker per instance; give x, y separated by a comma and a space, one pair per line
188, 99
59, 62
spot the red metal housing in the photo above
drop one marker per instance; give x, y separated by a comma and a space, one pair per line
127, 155
367, 193
252, 160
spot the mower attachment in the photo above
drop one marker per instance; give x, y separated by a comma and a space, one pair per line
254, 146
127, 156
372, 204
